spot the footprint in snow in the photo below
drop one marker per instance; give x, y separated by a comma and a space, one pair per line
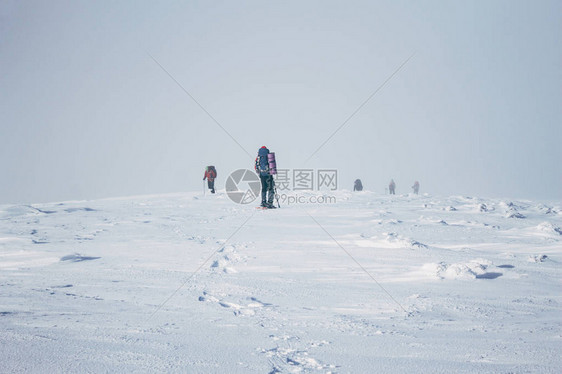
220, 263
290, 359
227, 249
229, 270
77, 257
237, 309
229, 256
249, 309
538, 258
85, 209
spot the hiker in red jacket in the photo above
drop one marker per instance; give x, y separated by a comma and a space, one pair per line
210, 175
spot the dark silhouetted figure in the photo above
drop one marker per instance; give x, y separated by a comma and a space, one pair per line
358, 186
267, 182
392, 187
416, 187
210, 175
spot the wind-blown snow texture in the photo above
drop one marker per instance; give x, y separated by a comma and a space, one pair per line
91, 286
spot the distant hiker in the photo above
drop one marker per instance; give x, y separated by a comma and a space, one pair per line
262, 167
210, 175
416, 187
392, 187
358, 186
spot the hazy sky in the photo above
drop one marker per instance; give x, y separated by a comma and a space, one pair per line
86, 113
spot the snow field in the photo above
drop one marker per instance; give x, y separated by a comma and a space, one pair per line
178, 283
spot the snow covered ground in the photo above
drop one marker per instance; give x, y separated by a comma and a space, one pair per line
192, 283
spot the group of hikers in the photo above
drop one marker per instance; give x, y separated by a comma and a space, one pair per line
266, 167
358, 186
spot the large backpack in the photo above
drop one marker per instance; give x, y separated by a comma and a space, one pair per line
212, 172
262, 163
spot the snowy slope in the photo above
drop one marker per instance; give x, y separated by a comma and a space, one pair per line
187, 283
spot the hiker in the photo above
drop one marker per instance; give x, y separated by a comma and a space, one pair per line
358, 186
210, 175
263, 169
416, 187
392, 187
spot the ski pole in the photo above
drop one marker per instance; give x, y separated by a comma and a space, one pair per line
276, 195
